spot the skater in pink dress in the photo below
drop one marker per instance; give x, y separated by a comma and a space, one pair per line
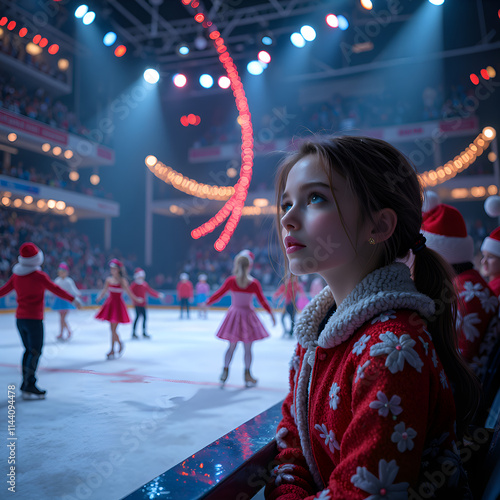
241, 323
114, 309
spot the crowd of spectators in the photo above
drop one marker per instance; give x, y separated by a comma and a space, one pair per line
59, 241
340, 113
14, 46
38, 105
57, 177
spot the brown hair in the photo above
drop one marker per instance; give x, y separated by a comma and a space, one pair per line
240, 270
380, 176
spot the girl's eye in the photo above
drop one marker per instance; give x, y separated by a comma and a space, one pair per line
285, 207
316, 198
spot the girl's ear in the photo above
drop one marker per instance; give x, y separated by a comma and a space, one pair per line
385, 224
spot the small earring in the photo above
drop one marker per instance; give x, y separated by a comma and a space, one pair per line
371, 241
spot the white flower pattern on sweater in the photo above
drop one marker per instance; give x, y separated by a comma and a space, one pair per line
360, 345
399, 350
334, 397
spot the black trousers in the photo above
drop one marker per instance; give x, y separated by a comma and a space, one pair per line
31, 331
184, 304
290, 310
140, 311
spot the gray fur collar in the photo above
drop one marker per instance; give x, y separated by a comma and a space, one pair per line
389, 287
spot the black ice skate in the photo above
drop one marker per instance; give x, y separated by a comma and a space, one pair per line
32, 392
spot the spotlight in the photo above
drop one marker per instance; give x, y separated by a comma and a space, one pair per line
63, 64
298, 40
255, 67
12, 137
183, 49
81, 11
264, 57
436, 2
200, 42
120, 50
179, 80
53, 49
367, 4
109, 38
308, 33
151, 76
343, 23
74, 175
88, 18
206, 81
224, 82
266, 40
94, 179
332, 21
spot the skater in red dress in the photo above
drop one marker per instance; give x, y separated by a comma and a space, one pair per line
241, 324
114, 309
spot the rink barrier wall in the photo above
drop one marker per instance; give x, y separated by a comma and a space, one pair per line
235, 466
88, 297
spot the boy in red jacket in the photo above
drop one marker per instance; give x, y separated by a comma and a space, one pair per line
30, 283
185, 293
140, 288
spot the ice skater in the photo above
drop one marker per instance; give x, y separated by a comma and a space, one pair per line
114, 309
63, 306
140, 288
202, 290
289, 290
241, 323
184, 293
30, 283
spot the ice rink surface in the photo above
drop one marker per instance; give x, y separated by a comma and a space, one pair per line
107, 427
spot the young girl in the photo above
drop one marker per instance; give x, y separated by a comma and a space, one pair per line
241, 323
63, 306
202, 291
491, 260
370, 412
289, 290
30, 282
114, 309
140, 288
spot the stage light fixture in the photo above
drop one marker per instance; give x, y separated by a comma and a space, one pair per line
63, 64
343, 23
332, 21
266, 40
81, 11
109, 38
367, 4
74, 175
94, 179
206, 81
298, 40
53, 49
224, 82
23, 32
12, 137
308, 33
151, 76
183, 49
436, 2
120, 50
179, 80
255, 67
33, 49
264, 57
88, 18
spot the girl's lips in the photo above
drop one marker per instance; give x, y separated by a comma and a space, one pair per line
294, 248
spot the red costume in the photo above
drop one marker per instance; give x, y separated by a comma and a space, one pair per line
494, 285
140, 290
185, 289
370, 410
30, 290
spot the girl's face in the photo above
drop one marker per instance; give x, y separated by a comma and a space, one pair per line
491, 264
315, 239
115, 272
62, 273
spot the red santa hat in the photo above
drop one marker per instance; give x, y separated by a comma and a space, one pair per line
139, 273
446, 233
491, 243
30, 259
248, 254
115, 263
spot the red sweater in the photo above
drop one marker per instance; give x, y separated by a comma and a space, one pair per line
140, 290
494, 284
477, 306
231, 285
185, 290
30, 291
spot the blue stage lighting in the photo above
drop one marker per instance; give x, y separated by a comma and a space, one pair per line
183, 50
308, 32
206, 81
81, 11
255, 68
436, 2
267, 40
88, 18
151, 75
343, 23
109, 38
298, 40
